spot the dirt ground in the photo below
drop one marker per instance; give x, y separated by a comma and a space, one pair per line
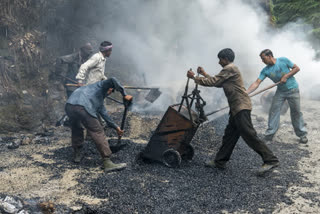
45, 172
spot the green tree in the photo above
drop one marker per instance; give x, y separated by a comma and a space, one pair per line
284, 11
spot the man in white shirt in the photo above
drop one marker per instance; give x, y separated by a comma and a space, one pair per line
93, 69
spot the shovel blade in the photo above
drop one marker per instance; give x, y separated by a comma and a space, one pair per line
153, 95
115, 145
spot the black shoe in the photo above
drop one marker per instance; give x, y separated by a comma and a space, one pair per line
77, 155
267, 168
303, 139
268, 137
213, 164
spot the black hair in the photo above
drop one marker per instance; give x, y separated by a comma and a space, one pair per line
105, 43
226, 53
266, 52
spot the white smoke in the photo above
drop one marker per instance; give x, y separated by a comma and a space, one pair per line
164, 38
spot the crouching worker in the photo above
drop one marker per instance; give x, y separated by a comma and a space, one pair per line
240, 123
83, 107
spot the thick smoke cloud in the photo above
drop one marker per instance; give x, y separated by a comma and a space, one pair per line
163, 39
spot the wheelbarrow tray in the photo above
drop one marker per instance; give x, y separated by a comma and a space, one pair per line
170, 141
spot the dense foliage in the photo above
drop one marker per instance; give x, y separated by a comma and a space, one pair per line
284, 11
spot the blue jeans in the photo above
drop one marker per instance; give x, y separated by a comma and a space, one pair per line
293, 97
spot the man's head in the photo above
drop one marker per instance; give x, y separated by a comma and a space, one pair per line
106, 48
267, 57
86, 51
226, 56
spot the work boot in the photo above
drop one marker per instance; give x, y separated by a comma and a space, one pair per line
213, 164
77, 155
267, 168
303, 139
109, 166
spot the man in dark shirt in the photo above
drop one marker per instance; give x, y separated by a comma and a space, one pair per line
240, 123
83, 108
74, 61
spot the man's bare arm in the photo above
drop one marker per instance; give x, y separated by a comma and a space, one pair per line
295, 69
254, 86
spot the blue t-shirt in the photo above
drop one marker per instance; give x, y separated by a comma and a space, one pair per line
276, 71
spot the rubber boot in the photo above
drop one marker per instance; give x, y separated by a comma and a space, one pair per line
109, 166
77, 155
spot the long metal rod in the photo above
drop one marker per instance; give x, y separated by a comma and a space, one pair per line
185, 95
142, 88
194, 93
110, 98
126, 87
71, 80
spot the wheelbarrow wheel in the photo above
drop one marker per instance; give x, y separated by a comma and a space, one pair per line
171, 158
189, 153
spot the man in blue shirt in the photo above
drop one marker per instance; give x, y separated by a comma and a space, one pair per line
282, 70
83, 108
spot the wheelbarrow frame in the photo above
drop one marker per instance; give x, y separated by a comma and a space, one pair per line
170, 142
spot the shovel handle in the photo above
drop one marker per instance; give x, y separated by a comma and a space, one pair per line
262, 90
75, 85
126, 106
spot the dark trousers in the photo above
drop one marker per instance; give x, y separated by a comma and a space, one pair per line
78, 115
241, 125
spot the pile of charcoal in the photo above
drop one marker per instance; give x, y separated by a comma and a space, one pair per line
193, 188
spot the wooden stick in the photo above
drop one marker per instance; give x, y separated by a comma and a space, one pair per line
251, 95
262, 90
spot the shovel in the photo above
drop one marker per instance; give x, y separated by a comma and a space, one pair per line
153, 94
117, 146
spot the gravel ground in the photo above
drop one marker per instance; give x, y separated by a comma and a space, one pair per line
153, 188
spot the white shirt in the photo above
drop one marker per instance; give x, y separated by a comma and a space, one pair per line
92, 70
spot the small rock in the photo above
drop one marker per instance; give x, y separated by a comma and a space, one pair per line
26, 140
47, 207
17, 203
7, 207
15, 144
23, 212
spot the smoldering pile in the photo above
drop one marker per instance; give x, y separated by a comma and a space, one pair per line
16, 140
17, 205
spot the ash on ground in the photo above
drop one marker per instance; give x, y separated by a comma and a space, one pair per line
42, 170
